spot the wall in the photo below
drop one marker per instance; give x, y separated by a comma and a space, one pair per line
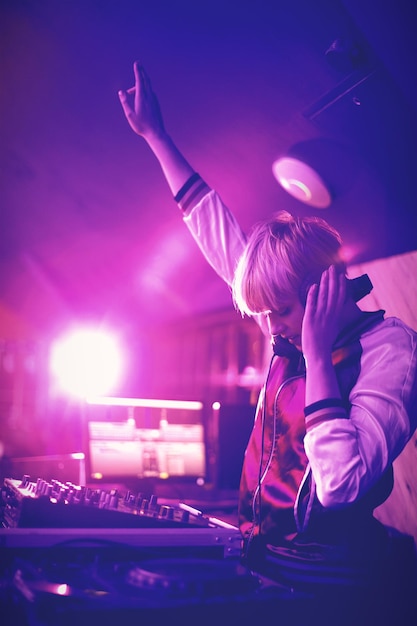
212, 357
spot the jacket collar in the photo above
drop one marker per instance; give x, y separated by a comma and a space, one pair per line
347, 342
352, 332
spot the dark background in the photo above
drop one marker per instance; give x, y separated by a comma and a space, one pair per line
88, 227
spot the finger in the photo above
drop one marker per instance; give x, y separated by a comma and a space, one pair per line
332, 286
131, 90
136, 71
146, 80
323, 292
337, 287
141, 77
312, 292
122, 97
311, 301
124, 102
143, 80
138, 82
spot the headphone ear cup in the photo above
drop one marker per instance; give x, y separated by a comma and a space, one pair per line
359, 287
310, 279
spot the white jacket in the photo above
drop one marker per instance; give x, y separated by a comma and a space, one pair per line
346, 455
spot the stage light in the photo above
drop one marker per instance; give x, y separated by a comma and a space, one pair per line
302, 182
317, 171
86, 362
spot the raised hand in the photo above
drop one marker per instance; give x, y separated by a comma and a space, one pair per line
141, 106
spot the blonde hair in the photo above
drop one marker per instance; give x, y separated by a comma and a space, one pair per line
282, 258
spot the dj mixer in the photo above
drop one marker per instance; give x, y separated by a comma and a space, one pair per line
71, 554
43, 513
74, 554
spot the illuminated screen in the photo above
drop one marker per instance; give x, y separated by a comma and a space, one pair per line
145, 442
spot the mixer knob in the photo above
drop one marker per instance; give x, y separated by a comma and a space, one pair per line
139, 500
44, 488
62, 495
153, 502
185, 516
78, 494
58, 486
88, 496
166, 512
95, 496
105, 499
114, 501
25, 480
131, 500
39, 486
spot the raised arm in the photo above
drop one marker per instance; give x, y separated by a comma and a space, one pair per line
143, 113
210, 222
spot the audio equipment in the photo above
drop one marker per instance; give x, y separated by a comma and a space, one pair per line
232, 424
132, 438
87, 589
46, 513
72, 554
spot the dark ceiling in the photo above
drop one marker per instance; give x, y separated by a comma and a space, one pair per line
88, 226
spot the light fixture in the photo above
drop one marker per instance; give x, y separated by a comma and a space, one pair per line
318, 171
302, 182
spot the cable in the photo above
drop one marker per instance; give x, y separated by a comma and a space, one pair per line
256, 516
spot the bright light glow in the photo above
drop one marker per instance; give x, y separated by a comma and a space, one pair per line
146, 402
63, 590
216, 406
86, 362
302, 182
351, 252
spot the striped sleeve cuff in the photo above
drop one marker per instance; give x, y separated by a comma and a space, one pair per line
191, 192
324, 411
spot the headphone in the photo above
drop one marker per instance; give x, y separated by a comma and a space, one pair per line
357, 288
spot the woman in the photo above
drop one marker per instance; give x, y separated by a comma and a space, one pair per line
339, 402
